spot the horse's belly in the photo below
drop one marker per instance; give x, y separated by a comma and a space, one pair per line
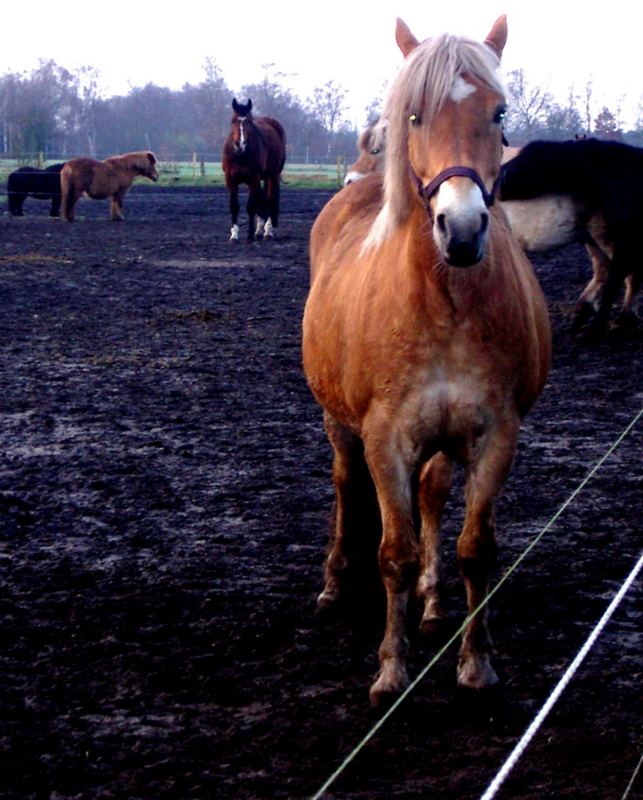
96, 193
544, 223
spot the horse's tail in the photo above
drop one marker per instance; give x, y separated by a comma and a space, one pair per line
69, 196
276, 141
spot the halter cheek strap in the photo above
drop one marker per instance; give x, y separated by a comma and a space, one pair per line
427, 191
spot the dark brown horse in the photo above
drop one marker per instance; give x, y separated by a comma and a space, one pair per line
426, 340
606, 179
254, 153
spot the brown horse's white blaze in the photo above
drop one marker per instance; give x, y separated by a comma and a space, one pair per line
426, 340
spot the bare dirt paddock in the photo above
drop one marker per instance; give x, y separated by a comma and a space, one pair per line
164, 502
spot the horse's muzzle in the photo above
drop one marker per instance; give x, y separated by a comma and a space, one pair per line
461, 241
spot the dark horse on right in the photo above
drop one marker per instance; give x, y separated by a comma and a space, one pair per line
254, 152
606, 179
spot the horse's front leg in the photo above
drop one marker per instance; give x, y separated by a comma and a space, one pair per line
398, 555
233, 190
356, 525
116, 207
477, 548
588, 302
434, 487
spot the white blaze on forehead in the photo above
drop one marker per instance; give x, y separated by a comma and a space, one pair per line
461, 89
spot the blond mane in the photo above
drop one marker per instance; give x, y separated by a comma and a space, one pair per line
421, 87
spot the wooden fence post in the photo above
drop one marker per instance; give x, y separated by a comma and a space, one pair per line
341, 170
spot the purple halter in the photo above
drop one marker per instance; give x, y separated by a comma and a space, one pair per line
427, 192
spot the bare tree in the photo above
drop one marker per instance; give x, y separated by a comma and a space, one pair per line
529, 105
606, 125
588, 94
327, 105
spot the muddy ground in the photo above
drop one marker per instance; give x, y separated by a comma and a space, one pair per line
164, 504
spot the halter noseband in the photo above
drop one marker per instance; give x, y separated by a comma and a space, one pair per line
427, 191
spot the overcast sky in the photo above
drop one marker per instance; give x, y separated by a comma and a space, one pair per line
134, 42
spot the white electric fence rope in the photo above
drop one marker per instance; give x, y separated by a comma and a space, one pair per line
531, 731
630, 785
398, 702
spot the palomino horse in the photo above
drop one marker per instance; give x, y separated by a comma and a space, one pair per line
254, 151
606, 179
426, 339
43, 184
101, 179
539, 224
370, 146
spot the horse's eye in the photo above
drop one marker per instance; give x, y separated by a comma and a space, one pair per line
414, 119
500, 115
375, 151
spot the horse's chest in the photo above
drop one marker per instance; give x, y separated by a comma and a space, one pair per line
455, 409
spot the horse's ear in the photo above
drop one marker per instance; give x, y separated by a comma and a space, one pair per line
404, 38
249, 106
235, 105
497, 38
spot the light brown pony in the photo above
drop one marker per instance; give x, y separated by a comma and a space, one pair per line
101, 179
426, 340
370, 147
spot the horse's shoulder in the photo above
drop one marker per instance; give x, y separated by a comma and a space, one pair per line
343, 223
359, 199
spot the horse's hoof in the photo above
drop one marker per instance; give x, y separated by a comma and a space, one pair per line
627, 320
332, 595
327, 600
475, 672
390, 684
432, 625
594, 334
583, 313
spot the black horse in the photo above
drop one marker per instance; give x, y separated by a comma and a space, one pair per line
43, 184
606, 178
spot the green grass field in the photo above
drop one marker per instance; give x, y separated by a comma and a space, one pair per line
185, 173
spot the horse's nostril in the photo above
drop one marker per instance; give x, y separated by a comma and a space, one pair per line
484, 223
442, 223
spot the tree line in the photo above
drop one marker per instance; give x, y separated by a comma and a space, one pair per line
60, 113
